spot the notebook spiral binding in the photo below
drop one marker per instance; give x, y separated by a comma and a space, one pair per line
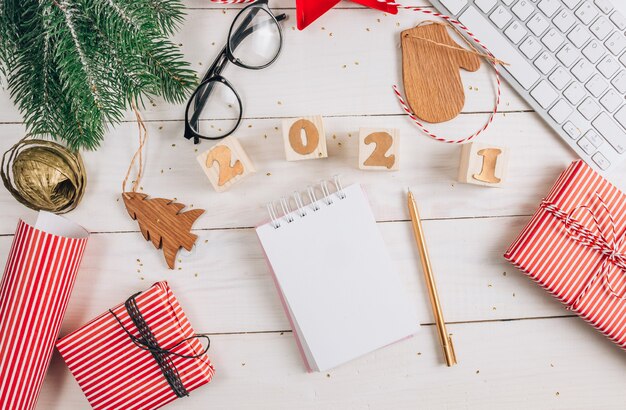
301, 208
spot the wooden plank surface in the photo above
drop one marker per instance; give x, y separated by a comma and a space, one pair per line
518, 348
520, 365
316, 72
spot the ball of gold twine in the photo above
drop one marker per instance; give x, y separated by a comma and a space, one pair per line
44, 175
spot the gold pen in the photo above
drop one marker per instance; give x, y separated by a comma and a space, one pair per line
444, 337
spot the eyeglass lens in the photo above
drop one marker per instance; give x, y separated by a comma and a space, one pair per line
255, 38
219, 114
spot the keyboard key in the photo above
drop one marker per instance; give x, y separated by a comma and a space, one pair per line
552, 39
604, 5
485, 5
560, 111
568, 55
588, 108
575, 92
538, 24
582, 70
611, 100
560, 78
601, 161
545, 62
601, 28
544, 94
622, 59
586, 145
586, 12
620, 116
549, 7
571, 130
454, 6
611, 132
530, 47
523, 9
515, 32
508, 2
619, 81
608, 66
579, 36
596, 85
564, 19
594, 50
571, 3
519, 67
500, 17
594, 138
618, 19
616, 43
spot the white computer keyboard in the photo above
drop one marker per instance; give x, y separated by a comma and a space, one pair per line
566, 58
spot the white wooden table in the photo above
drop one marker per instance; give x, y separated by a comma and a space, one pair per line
518, 348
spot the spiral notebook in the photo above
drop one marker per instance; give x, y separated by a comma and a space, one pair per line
334, 274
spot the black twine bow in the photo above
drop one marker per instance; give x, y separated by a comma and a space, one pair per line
147, 341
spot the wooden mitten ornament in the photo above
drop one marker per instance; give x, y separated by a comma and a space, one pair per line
431, 60
162, 222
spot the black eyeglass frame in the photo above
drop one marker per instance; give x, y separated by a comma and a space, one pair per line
213, 75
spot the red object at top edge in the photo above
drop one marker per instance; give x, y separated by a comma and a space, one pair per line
308, 11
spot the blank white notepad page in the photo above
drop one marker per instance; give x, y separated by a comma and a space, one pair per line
336, 276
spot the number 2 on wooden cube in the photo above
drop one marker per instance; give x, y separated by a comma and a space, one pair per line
304, 138
225, 164
378, 149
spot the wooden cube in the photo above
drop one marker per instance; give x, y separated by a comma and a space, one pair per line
225, 164
379, 149
304, 138
483, 164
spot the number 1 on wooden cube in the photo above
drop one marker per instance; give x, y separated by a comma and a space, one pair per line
483, 164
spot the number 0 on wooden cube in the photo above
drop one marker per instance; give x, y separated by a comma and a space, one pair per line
225, 164
378, 149
304, 138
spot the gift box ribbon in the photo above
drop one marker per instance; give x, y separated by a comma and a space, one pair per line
147, 341
604, 240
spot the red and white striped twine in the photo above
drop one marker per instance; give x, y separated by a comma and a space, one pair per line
603, 242
403, 103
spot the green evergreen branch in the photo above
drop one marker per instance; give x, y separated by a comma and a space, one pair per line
73, 66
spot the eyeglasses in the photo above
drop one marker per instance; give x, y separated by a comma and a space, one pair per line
254, 42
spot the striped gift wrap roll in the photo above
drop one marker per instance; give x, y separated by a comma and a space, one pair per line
117, 369
575, 247
36, 286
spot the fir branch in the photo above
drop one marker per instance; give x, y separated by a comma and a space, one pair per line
73, 66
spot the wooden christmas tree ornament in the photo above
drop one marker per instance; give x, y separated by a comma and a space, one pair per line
162, 222
225, 164
378, 149
483, 164
304, 138
431, 60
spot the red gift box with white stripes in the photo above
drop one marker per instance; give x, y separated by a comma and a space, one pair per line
575, 247
139, 355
